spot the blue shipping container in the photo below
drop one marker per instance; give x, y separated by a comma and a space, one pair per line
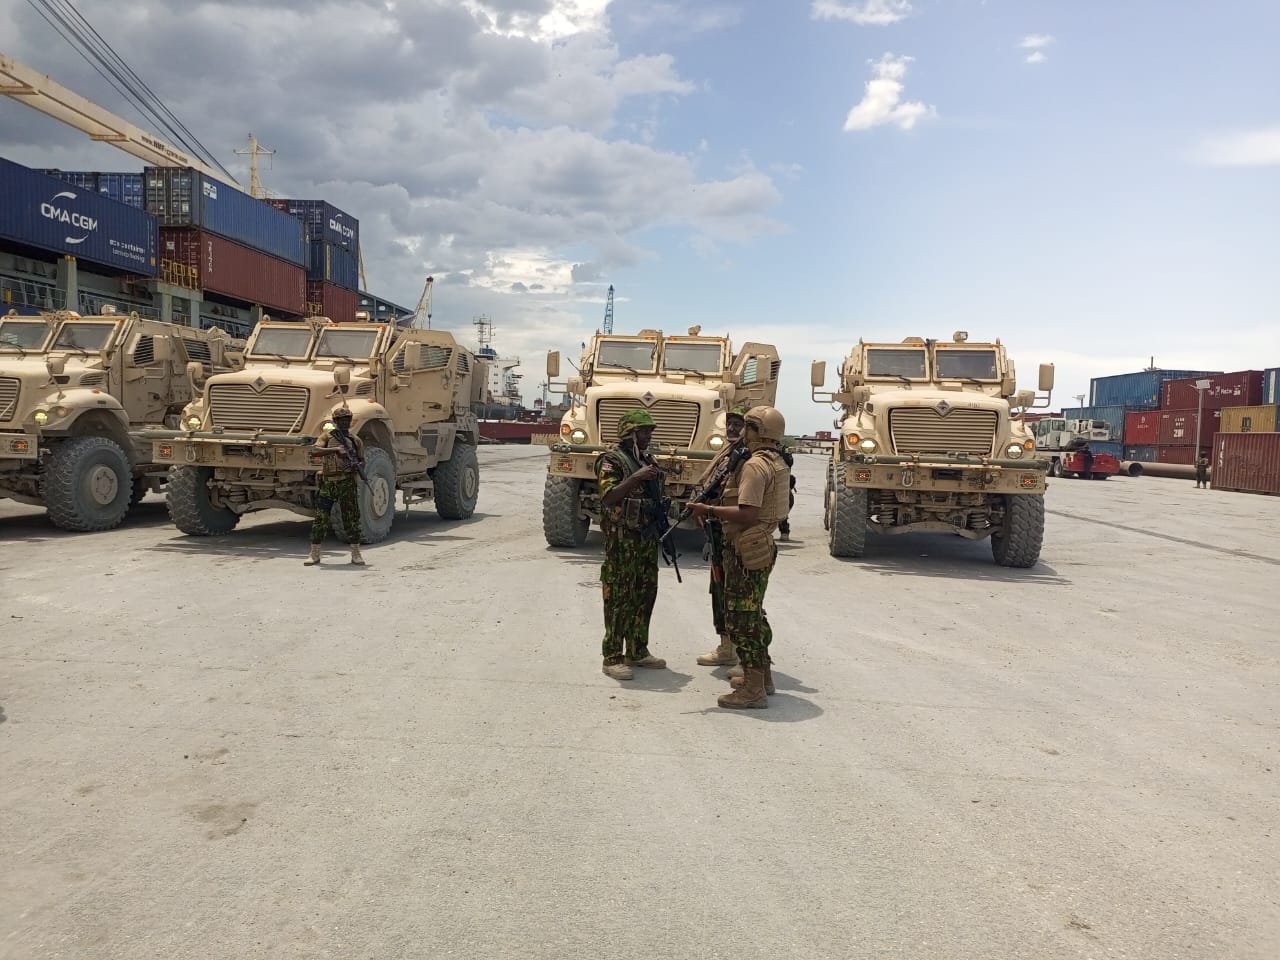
1115, 449
51, 214
181, 197
121, 187
1143, 454
323, 221
1112, 415
1136, 391
1271, 386
335, 264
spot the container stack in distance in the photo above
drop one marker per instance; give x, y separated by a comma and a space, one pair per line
333, 258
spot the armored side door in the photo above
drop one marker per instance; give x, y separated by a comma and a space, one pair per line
145, 357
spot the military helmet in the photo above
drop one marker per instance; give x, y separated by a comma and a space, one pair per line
768, 422
341, 412
633, 420
740, 411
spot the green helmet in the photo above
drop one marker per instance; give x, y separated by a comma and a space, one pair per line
633, 420
740, 411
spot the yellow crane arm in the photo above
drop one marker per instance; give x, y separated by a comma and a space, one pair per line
40, 92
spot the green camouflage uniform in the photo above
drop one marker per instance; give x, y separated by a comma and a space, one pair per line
337, 485
761, 482
629, 574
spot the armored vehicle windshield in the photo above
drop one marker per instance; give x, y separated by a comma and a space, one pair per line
82, 335
701, 357
290, 343
909, 362
966, 364
346, 344
637, 355
23, 335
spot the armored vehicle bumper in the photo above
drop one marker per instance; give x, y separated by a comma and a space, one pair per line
256, 451
943, 474
18, 449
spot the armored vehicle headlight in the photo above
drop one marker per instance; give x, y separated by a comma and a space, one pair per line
41, 417
327, 426
578, 435
716, 442
1014, 451
868, 445
193, 422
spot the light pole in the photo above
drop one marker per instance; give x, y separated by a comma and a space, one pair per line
1079, 399
1201, 387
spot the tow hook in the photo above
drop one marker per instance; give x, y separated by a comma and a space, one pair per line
908, 478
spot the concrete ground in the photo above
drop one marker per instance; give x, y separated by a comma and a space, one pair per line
208, 751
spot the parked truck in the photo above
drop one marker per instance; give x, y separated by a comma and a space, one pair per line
1067, 445
76, 394
688, 383
245, 443
932, 440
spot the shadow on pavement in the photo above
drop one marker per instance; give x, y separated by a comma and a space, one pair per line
35, 527
783, 708
947, 557
658, 681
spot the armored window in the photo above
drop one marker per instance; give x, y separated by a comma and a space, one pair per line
774, 367
464, 362
749, 371
398, 361
198, 350
144, 354
906, 362
433, 357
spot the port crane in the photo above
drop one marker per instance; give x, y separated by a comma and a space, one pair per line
423, 311
607, 326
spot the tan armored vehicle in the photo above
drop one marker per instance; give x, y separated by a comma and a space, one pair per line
245, 442
688, 383
932, 439
75, 392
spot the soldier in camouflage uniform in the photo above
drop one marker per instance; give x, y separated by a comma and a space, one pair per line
337, 450
630, 485
749, 553
723, 654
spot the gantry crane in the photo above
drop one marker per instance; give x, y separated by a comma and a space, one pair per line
607, 327
424, 307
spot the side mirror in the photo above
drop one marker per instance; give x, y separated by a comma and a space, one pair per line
55, 365
553, 364
195, 373
574, 386
342, 378
1025, 398
818, 373
860, 395
1046, 377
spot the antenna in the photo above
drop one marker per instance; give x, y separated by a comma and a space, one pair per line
484, 330
255, 150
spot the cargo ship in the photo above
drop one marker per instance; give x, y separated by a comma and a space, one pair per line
503, 416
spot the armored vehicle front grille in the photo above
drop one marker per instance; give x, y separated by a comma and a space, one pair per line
277, 409
925, 430
677, 420
8, 398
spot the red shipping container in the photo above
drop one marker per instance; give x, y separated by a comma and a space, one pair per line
1180, 454
326, 299
1142, 427
1247, 462
1178, 427
231, 270
1240, 389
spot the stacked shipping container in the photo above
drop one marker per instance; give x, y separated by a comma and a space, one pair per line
235, 271
333, 240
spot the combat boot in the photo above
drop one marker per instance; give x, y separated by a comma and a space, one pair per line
739, 682
722, 656
735, 673
751, 695
355, 555
313, 557
616, 671
649, 662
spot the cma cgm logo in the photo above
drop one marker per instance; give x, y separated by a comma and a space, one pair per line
55, 211
340, 228
210, 190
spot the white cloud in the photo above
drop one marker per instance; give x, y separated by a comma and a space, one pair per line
1035, 41
1247, 148
867, 13
686, 18
1036, 57
882, 102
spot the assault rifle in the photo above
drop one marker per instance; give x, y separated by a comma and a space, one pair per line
714, 486
349, 456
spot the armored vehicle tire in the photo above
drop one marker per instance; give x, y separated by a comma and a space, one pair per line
377, 498
848, 530
140, 489
1018, 542
826, 496
190, 508
562, 521
457, 483
88, 484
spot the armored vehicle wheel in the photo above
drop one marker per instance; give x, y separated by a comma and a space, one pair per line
848, 530
457, 483
377, 498
141, 487
190, 508
88, 484
826, 496
1017, 543
563, 523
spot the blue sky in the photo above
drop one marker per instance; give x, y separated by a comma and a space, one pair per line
1094, 182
